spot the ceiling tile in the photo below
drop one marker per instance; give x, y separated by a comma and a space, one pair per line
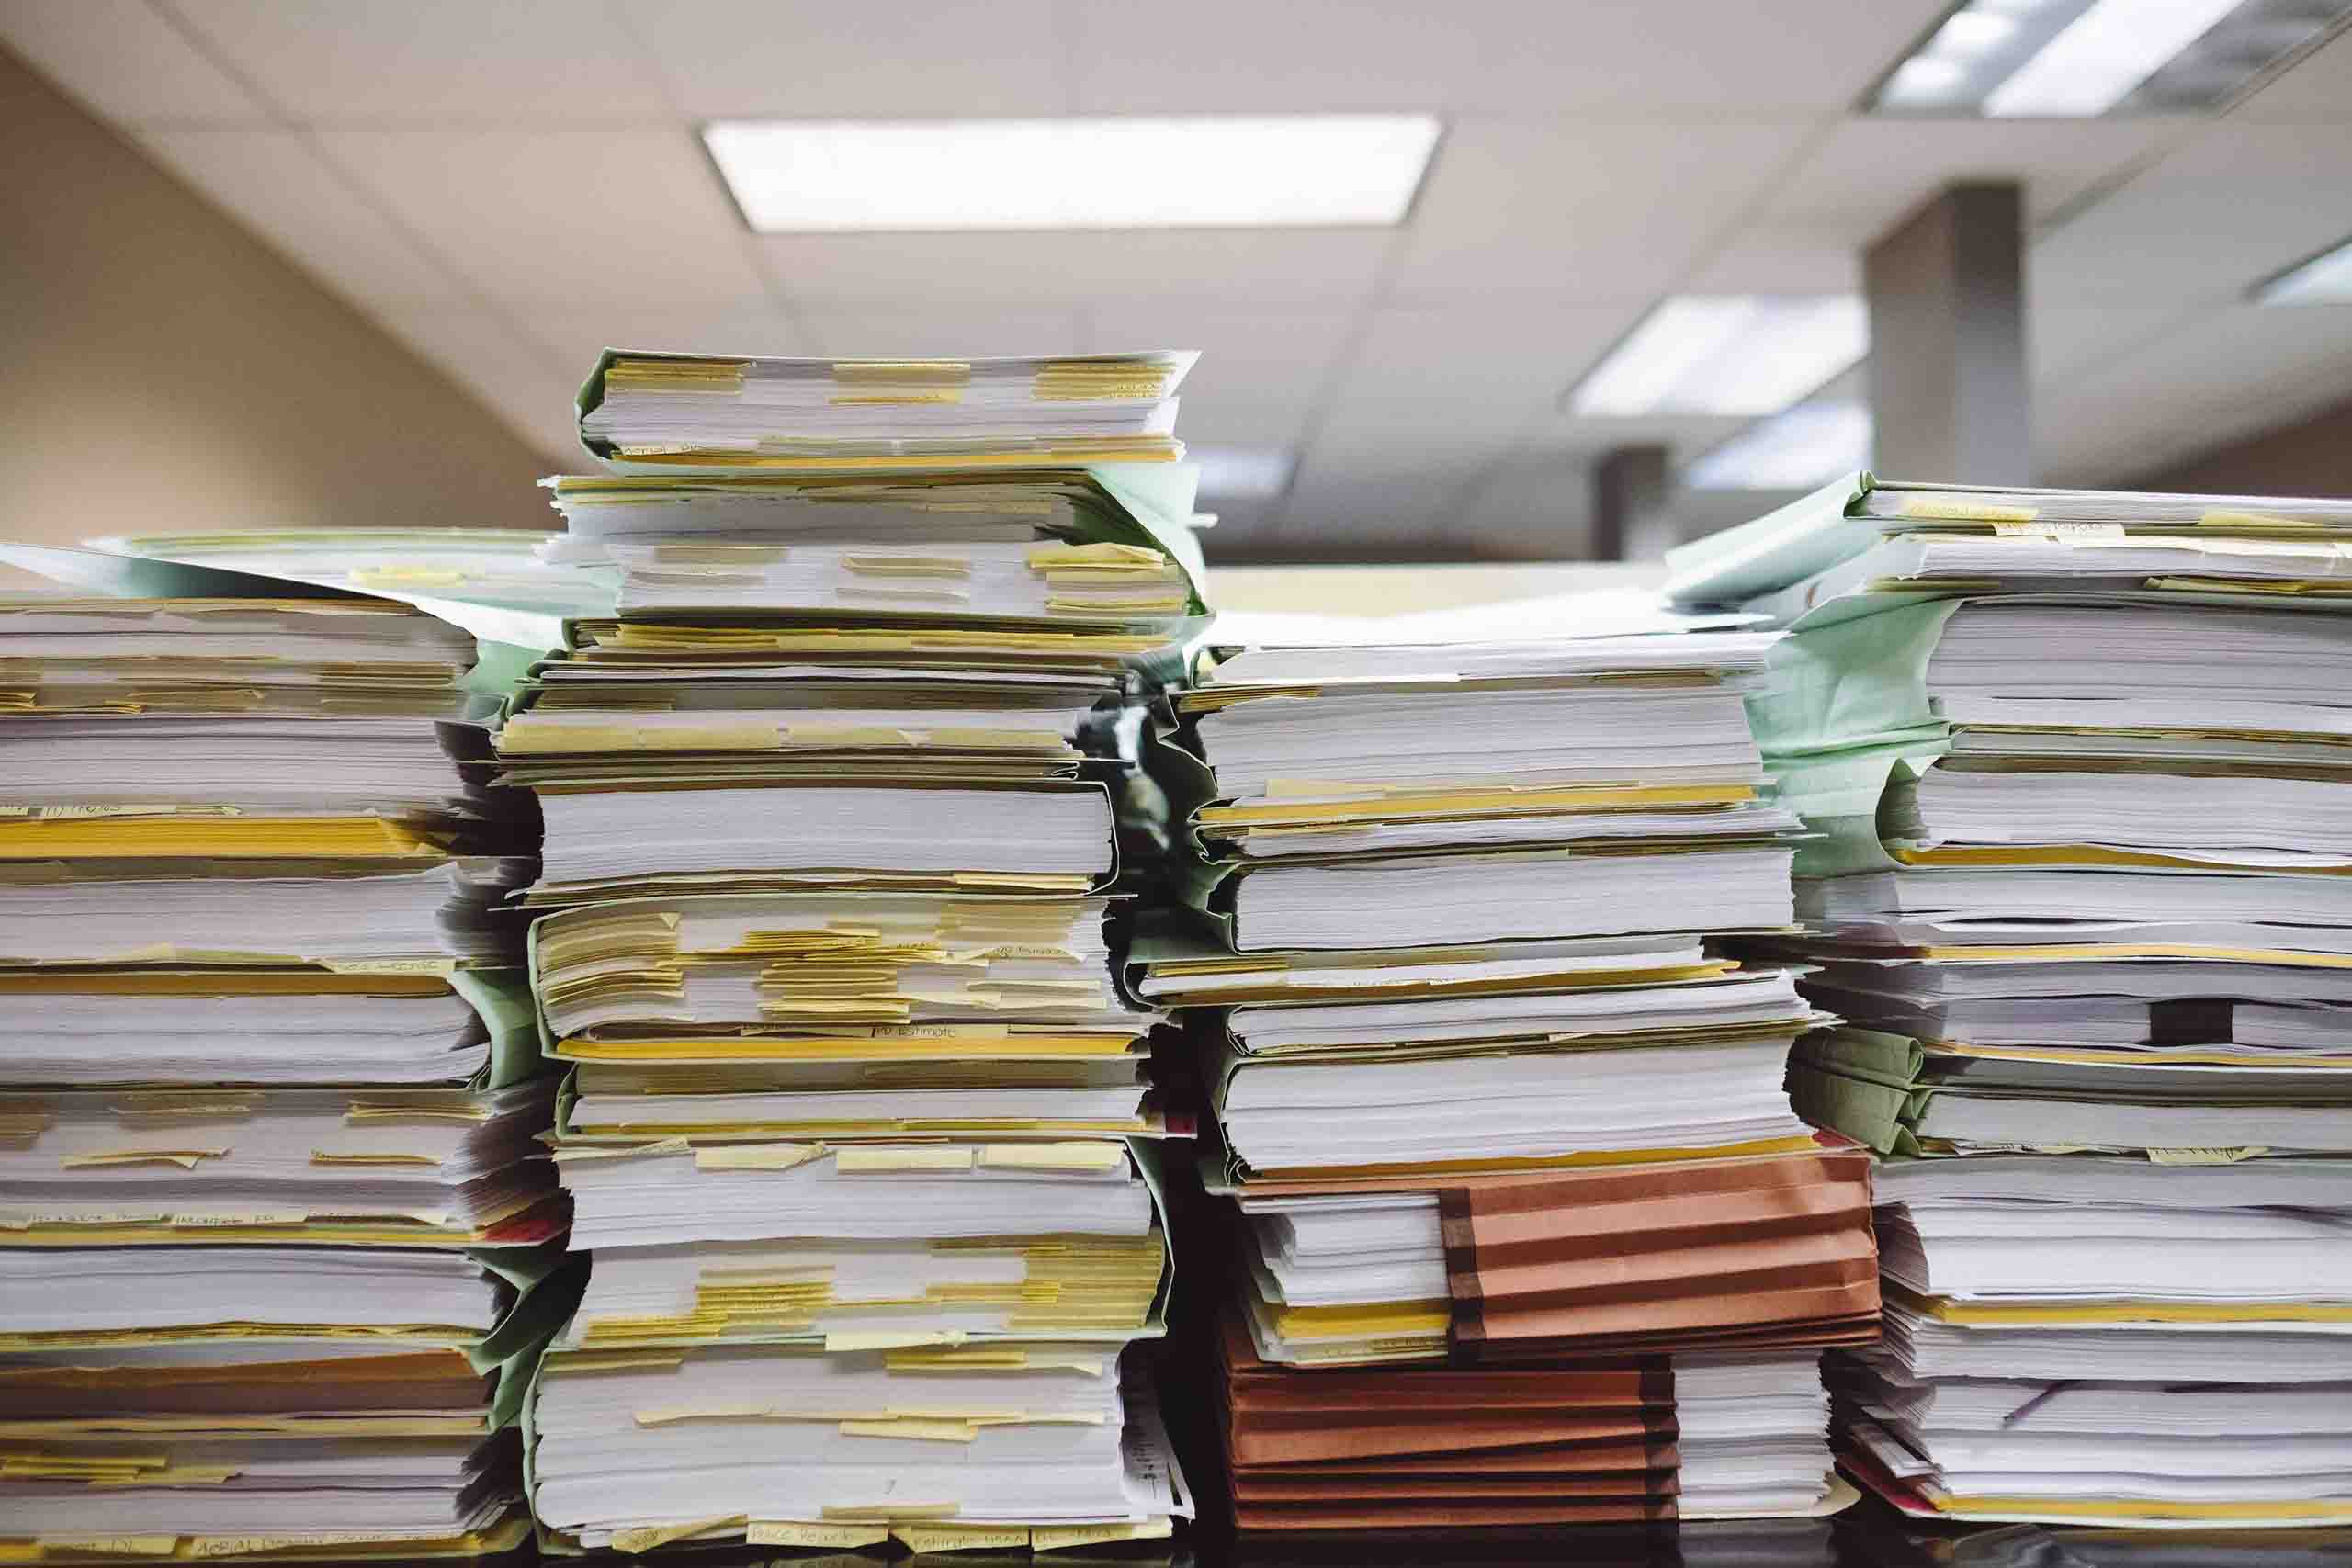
1586, 212
432, 62
927, 331
1604, 56
277, 184
805, 59
1136, 57
1769, 257
2068, 338
574, 340
1525, 58
1329, 269
1480, 378
2318, 87
126, 61
1869, 174
2233, 205
536, 219
508, 371
2221, 376
1684, 435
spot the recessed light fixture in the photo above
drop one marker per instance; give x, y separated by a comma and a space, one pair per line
1727, 353
1241, 473
2077, 59
1798, 448
2326, 279
1194, 172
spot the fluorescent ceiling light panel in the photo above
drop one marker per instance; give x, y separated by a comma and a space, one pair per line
1799, 449
1726, 354
2326, 279
1194, 172
2076, 58
1241, 473
2103, 54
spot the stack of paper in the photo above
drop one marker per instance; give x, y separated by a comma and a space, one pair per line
1484, 1086
2079, 768
278, 1234
857, 1123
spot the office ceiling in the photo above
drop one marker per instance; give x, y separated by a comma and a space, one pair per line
509, 186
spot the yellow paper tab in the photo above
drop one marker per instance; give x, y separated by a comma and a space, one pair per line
851, 1341
652, 1535
1053, 1156
2205, 1157
933, 1431
2223, 518
960, 1537
800, 1532
885, 1512
185, 1158
863, 1160
114, 1545
1953, 509
758, 1156
1047, 1538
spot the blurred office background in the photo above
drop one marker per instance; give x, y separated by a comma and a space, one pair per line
319, 262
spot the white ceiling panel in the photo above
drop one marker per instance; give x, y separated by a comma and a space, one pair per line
1141, 57
1868, 175
1684, 435
432, 62
1600, 57
1586, 212
2316, 87
2234, 204
506, 369
801, 58
959, 334
127, 61
1770, 257
1331, 269
277, 183
2069, 338
533, 218
1529, 59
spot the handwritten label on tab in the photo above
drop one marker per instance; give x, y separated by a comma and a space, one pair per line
1953, 509
2205, 1157
2064, 532
758, 1156
800, 1532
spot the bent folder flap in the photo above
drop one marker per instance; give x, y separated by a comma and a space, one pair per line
502, 1000
1810, 533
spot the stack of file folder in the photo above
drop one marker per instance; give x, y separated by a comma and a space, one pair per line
277, 1236
856, 1121
1485, 1088
2079, 766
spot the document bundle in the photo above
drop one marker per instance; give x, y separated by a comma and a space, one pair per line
1486, 1087
2078, 770
278, 1241
855, 1119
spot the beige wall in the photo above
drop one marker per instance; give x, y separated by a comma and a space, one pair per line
2313, 456
161, 368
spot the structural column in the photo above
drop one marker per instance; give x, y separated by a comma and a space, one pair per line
1947, 368
1630, 516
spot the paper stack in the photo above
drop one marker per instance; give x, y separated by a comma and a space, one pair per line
2081, 766
278, 1242
857, 1125
1485, 1089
